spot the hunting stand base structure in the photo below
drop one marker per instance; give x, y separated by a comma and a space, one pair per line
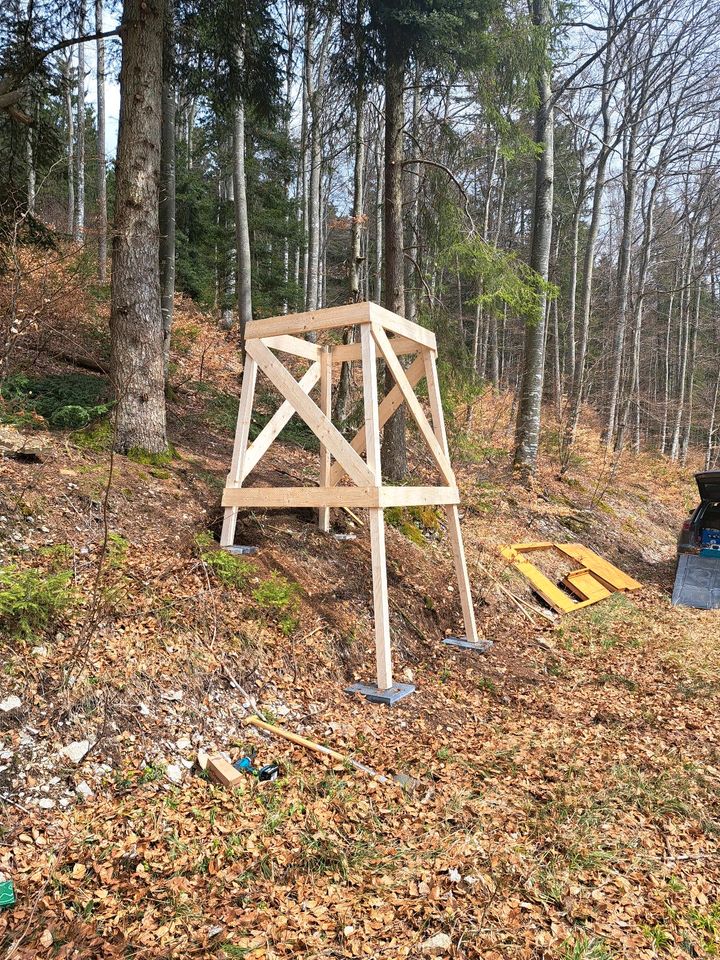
382, 335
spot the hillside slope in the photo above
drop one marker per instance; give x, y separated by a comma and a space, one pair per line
567, 805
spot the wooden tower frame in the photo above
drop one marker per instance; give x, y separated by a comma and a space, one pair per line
366, 489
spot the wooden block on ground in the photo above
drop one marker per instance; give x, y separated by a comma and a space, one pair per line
223, 772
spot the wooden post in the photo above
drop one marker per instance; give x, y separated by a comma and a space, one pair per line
326, 407
377, 520
451, 510
242, 433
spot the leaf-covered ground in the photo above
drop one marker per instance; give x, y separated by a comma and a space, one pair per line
567, 805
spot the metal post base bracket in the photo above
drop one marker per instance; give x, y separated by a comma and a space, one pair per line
389, 697
482, 646
240, 551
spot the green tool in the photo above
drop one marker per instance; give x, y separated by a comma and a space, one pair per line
7, 893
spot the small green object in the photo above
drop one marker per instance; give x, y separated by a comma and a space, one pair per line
7, 893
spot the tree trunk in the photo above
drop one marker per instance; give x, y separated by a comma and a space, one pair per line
413, 225
31, 179
242, 227
101, 172
67, 73
394, 455
314, 99
135, 321
527, 437
167, 182
79, 220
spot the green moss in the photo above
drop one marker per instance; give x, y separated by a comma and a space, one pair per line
231, 571
415, 523
62, 401
148, 459
281, 598
96, 437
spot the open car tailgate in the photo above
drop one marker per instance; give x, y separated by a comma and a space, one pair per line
697, 582
709, 485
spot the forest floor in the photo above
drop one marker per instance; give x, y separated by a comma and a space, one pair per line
567, 806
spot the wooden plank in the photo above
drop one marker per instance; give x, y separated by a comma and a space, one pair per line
607, 572
223, 772
273, 428
438, 454
585, 586
284, 497
320, 425
418, 496
551, 594
326, 408
451, 511
294, 345
388, 406
297, 323
242, 432
381, 607
353, 351
399, 325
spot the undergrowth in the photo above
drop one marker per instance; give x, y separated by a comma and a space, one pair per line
31, 601
231, 571
67, 401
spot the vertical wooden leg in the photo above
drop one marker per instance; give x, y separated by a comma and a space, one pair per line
326, 408
456, 541
242, 432
383, 653
377, 520
453, 518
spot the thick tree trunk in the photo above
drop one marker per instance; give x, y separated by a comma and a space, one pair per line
394, 455
527, 437
136, 321
242, 227
228, 279
167, 182
79, 220
102, 216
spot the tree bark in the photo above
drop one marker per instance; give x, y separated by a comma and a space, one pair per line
66, 68
79, 220
102, 217
167, 182
242, 227
527, 438
136, 340
394, 454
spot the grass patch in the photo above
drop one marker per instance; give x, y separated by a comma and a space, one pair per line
31, 601
61, 402
230, 570
586, 948
281, 599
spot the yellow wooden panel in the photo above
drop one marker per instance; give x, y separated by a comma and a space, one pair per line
551, 594
584, 585
606, 572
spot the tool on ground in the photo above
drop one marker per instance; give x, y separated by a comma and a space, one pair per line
264, 774
7, 893
401, 779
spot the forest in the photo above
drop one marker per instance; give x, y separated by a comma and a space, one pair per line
536, 185
458, 261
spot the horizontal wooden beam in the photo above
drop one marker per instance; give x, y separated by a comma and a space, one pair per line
402, 327
370, 497
343, 352
294, 345
296, 323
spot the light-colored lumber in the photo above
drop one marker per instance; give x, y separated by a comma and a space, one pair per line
223, 772
320, 425
282, 497
242, 432
326, 408
383, 655
438, 453
451, 510
389, 404
586, 586
296, 323
418, 496
344, 352
605, 570
294, 345
402, 327
274, 427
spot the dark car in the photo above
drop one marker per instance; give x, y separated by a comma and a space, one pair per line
697, 576
700, 533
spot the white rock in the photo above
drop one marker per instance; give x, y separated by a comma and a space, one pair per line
454, 875
64, 801
10, 703
174, 772
40, 651
174, 695
144, 710
183, 743
74, 752
437, 945
46, 803
83, 790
